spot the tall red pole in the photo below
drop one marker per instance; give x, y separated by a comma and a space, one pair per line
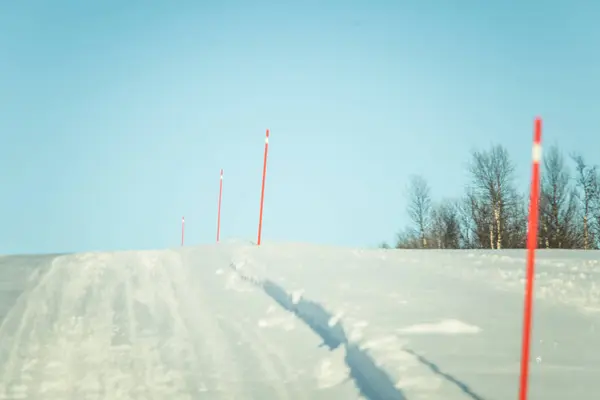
182, 229
262, 190
531, 246
219, 211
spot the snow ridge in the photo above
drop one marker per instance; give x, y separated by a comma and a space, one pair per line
372, 381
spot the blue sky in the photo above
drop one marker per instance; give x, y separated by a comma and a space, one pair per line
116, 116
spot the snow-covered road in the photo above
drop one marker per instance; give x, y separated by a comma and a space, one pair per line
150, 325
289, 321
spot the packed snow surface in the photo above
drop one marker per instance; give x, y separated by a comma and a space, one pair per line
296, 321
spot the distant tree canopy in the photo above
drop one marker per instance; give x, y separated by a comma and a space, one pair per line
492, 214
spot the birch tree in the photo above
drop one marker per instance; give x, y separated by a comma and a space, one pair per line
419, 207
587, 190
557, 204
492, 194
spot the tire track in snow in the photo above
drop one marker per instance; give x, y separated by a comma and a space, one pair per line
163, 325
267, 355
177, 337
25, 361
201, 322
11, 343
270, 357
161, 331
43, 356
120, 326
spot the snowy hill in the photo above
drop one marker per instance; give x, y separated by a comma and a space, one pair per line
295, 321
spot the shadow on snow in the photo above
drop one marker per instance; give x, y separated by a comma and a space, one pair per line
436, 370
373, 382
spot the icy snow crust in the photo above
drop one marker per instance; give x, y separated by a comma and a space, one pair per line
295, 321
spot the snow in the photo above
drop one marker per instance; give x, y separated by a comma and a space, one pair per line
295, 321
447, 326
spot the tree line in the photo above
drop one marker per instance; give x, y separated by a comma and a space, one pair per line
492, 213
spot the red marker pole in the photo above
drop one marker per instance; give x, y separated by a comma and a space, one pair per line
531, 246
219, 209
182, 229
262, 191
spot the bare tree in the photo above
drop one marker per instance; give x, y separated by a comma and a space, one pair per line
596, 213
493, 214
492, 195
419, 207
468, 227
587, 190
516, 221
557, 203
436, 230
481, 220
475, 217
446, 231
408, 239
